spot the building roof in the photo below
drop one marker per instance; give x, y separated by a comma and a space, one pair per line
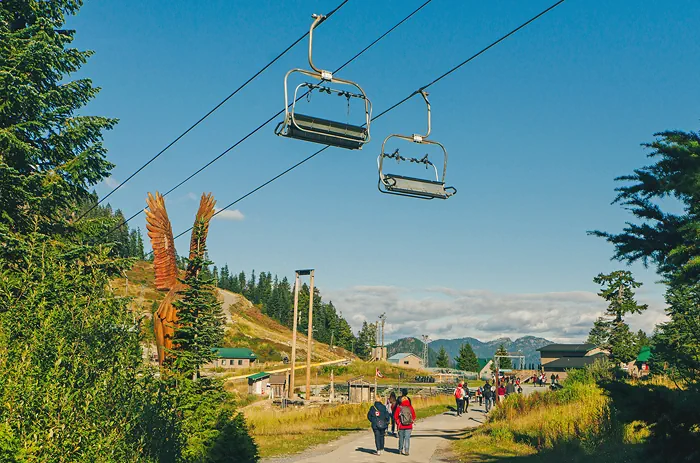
483, 362
567, 348
234, 353
402, 355
644, 354
571, 362
278, 379
257, 376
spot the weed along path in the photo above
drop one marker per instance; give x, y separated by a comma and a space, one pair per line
429, 443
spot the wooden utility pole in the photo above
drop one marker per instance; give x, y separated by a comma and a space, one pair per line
294, 336
310, 337
498, 380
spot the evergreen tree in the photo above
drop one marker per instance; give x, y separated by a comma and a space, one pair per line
365, 340
504, 363
611, 331
642, 339
467, 360
600, 333
443, 360
670, 239
73, 387
139, 244
200, 320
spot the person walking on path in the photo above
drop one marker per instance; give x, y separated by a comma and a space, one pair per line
510, 388
480, 395
404, 393
459, 398
390, 406
488, 396
379, 417
405, 415
501, 393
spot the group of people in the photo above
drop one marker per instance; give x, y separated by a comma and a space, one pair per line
399, 413
487, 393
541, 380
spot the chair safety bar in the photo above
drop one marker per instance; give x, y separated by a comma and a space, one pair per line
318, 130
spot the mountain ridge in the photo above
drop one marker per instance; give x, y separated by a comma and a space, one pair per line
528, 345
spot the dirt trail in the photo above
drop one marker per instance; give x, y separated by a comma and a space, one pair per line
429, 443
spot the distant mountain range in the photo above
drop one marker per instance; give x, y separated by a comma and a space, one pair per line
528, 345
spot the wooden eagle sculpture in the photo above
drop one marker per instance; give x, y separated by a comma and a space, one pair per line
165, 262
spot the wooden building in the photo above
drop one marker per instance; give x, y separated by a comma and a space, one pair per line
278, 386
259, 383
360, 390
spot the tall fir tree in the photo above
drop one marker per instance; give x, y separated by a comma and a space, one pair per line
200, 325
611, 332
668, 237
443, 360
467, 360
73, 386
503, 362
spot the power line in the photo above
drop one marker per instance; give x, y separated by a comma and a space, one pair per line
227, 150
211, 111
308, 158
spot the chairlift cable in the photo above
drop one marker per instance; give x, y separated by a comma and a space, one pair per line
480, 52
308, 158
259, 127
210, 112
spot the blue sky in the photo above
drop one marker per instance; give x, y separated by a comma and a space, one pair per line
536, 129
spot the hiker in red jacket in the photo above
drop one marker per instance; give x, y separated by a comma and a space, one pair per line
405, 415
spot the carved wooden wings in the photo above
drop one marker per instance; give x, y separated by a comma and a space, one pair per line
161, 234
165, 262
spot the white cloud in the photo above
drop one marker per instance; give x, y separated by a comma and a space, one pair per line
229, 215
453, 313
111, 182
192, 196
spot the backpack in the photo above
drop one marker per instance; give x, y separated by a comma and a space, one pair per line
458, 393
405, 416
380, 421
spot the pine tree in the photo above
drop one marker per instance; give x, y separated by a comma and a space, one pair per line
467, 360
365, 340
200, 321
670, 239
73, 386
504, 363
443, 360
611, 331
599, 335
139, 244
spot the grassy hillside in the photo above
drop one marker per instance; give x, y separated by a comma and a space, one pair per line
246, 325
580, 423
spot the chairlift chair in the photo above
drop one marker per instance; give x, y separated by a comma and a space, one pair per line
316, 129
412, 186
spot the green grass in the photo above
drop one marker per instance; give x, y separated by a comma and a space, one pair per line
282, 432
576, 424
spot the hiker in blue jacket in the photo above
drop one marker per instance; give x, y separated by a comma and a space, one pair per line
379, 417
